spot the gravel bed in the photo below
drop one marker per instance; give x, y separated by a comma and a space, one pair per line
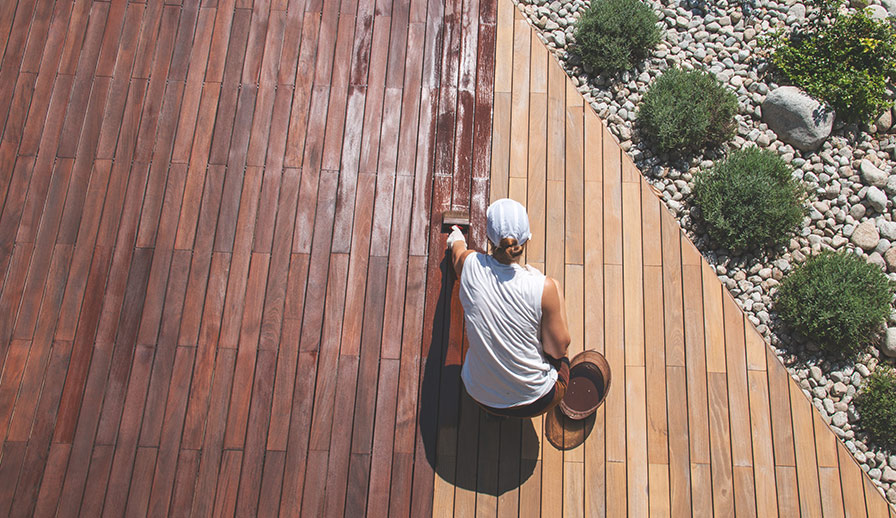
849, 179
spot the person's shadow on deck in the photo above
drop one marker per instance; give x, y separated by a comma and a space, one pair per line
467, 447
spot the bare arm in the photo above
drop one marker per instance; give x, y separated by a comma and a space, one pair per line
459, 254
554, 328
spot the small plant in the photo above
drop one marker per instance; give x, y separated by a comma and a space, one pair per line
846, 60
876, 405
615, 35
687, 110
837, 300
750, 200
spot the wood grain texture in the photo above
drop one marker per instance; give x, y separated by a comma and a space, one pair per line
224, 290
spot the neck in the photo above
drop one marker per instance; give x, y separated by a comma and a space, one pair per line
507, 261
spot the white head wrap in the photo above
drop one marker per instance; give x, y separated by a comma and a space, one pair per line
507, 218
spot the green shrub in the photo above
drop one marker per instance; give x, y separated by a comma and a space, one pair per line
876, 405
838, 300
749, 200
615, 35
685, 111
846, 62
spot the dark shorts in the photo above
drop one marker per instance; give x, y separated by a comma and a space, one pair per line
546, 402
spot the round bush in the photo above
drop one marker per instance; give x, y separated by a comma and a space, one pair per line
615, 35
876, 405
847, 63
837, 300
749, 200
687, 110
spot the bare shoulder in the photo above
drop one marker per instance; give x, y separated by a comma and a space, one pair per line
552, 295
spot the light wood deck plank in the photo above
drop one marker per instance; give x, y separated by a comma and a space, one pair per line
851, 483
519, 99
804, 446
575, 199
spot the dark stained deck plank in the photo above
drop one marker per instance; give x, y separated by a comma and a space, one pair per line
297, 445
204, 370
51, 483
298, 119
329, 361
141, 483
213, 438
254, 449
271, 483
195, 74
337, 473
126, 442
15, 49
163, 478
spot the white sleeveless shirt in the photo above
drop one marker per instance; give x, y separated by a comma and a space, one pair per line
505, 365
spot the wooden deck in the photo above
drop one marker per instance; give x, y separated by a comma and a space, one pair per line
702, 419
224, 291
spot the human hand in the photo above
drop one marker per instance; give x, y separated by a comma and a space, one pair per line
455, 236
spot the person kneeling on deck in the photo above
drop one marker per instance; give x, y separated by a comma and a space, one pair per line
515, 318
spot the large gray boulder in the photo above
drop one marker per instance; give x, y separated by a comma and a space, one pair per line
797, 118
877, 12
890, 6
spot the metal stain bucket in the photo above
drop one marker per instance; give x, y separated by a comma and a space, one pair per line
589, 384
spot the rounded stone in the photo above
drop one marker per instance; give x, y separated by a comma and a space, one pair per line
891, 184
877, 199
798, 11
887, 229
890, 6
839, 419
890, 259
889, 345
884, 122
871, 174
889, 474
839, 389
865, 236
877, 260
797, 118
877, 12
815, 373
